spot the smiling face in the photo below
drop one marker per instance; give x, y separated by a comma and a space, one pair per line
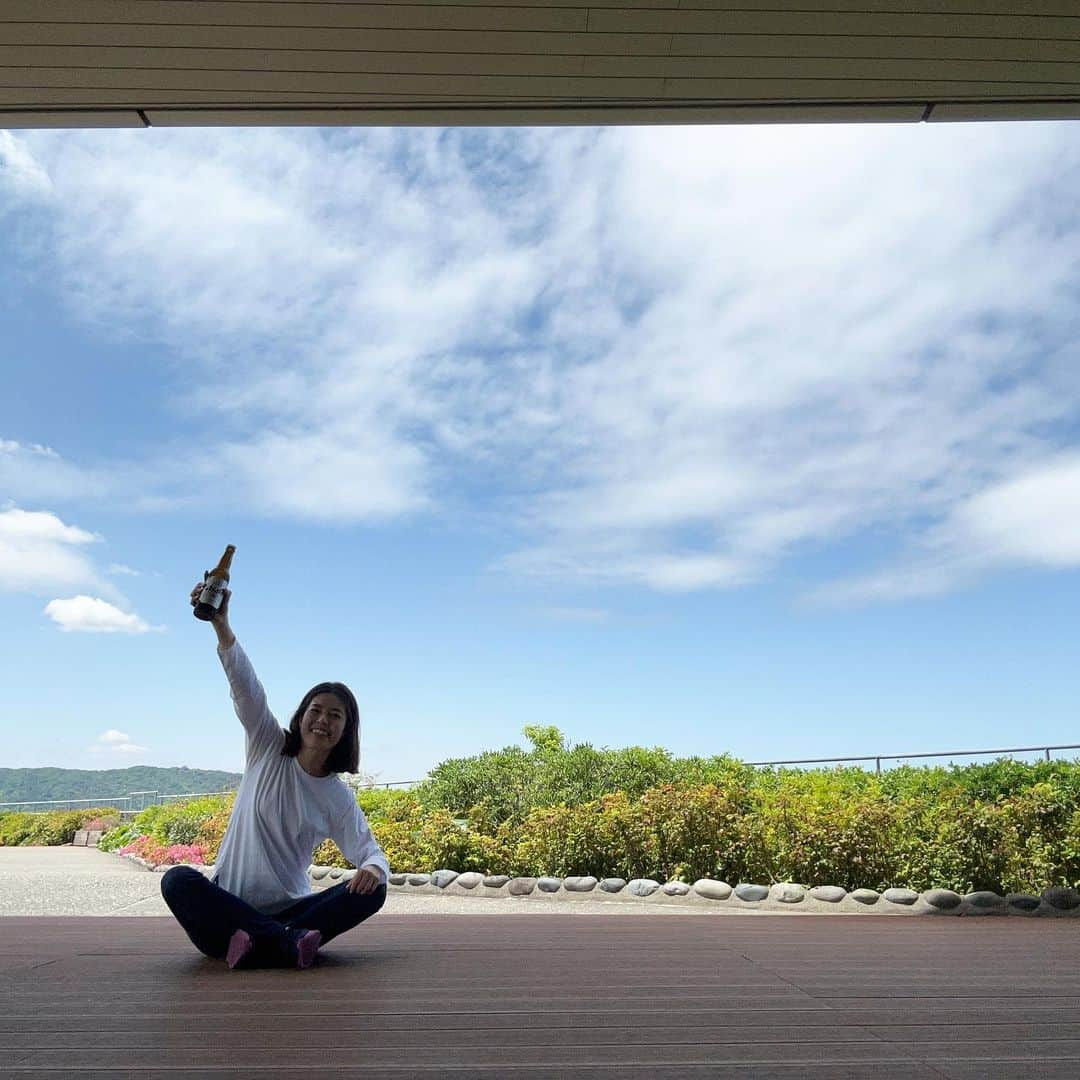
323, 723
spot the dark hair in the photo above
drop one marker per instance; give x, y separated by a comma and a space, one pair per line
345, 757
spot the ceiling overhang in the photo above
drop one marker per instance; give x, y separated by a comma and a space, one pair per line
137, 63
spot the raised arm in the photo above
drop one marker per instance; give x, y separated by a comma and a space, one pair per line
249, 699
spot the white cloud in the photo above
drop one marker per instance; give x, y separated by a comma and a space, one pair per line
39, 552
904, 582
28, 525
1033, 518
1030, 519
326, 475
115, 742
124, 571
92, 615
672, 356
20, 172
40, 474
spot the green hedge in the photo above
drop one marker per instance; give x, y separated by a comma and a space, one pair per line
511, 782
800, 829
1002, 825
49, 828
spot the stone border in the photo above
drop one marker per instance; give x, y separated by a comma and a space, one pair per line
708, 894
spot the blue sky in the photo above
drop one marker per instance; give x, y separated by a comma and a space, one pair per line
758, 440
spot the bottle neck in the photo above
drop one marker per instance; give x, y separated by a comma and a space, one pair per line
224, 566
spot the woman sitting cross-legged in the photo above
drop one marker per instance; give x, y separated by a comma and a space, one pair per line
259, 910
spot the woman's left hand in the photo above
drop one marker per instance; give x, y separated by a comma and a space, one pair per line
363, 882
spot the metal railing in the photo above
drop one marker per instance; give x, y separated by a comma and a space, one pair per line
152, 798
879, 758
132, 803
876, 758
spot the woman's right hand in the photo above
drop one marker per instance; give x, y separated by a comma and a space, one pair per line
221, 616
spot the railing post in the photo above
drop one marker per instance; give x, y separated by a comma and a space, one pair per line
878, 760
1048, 753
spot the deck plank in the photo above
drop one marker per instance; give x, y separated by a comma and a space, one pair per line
578, 995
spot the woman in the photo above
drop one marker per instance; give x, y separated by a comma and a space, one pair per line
259, 910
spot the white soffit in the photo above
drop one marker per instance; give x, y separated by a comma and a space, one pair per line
95, 63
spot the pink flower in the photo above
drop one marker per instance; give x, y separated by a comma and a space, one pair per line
149, 850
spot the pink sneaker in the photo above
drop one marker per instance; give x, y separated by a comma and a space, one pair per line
306, 948
239, 946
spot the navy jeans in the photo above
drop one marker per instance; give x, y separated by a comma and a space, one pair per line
210, 916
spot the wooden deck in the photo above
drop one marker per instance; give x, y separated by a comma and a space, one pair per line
553, 996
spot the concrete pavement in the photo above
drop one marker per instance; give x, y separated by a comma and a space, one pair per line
85, 881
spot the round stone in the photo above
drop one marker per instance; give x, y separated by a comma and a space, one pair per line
397, 879
1063, 897
470, 879
418, 879
642, 886
865, 896
496, 881
579, 884
942, 899
831, 894
319, 872
613, 884
984, 900
1022, 901
441, 878
901, 896
549, 884
521, 886
336, 872
752, 893
787, 893
676, 888
712, 890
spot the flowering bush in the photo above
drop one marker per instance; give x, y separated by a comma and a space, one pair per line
100, 824
156, 854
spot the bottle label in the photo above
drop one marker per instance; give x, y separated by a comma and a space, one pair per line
212, 592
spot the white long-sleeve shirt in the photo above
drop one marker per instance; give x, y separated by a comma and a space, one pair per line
282, 812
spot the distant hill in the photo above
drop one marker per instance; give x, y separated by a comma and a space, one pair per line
31, 785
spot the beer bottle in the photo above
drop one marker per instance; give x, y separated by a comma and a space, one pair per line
206, 607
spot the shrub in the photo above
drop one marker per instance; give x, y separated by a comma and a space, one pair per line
118, 837
559, 810
148, 849
841, 826
818, 828
180, 822
328, 854
212, 829
384, 804
420, 841
15, 828
49, 828
669, 832
101, 824
511, 782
